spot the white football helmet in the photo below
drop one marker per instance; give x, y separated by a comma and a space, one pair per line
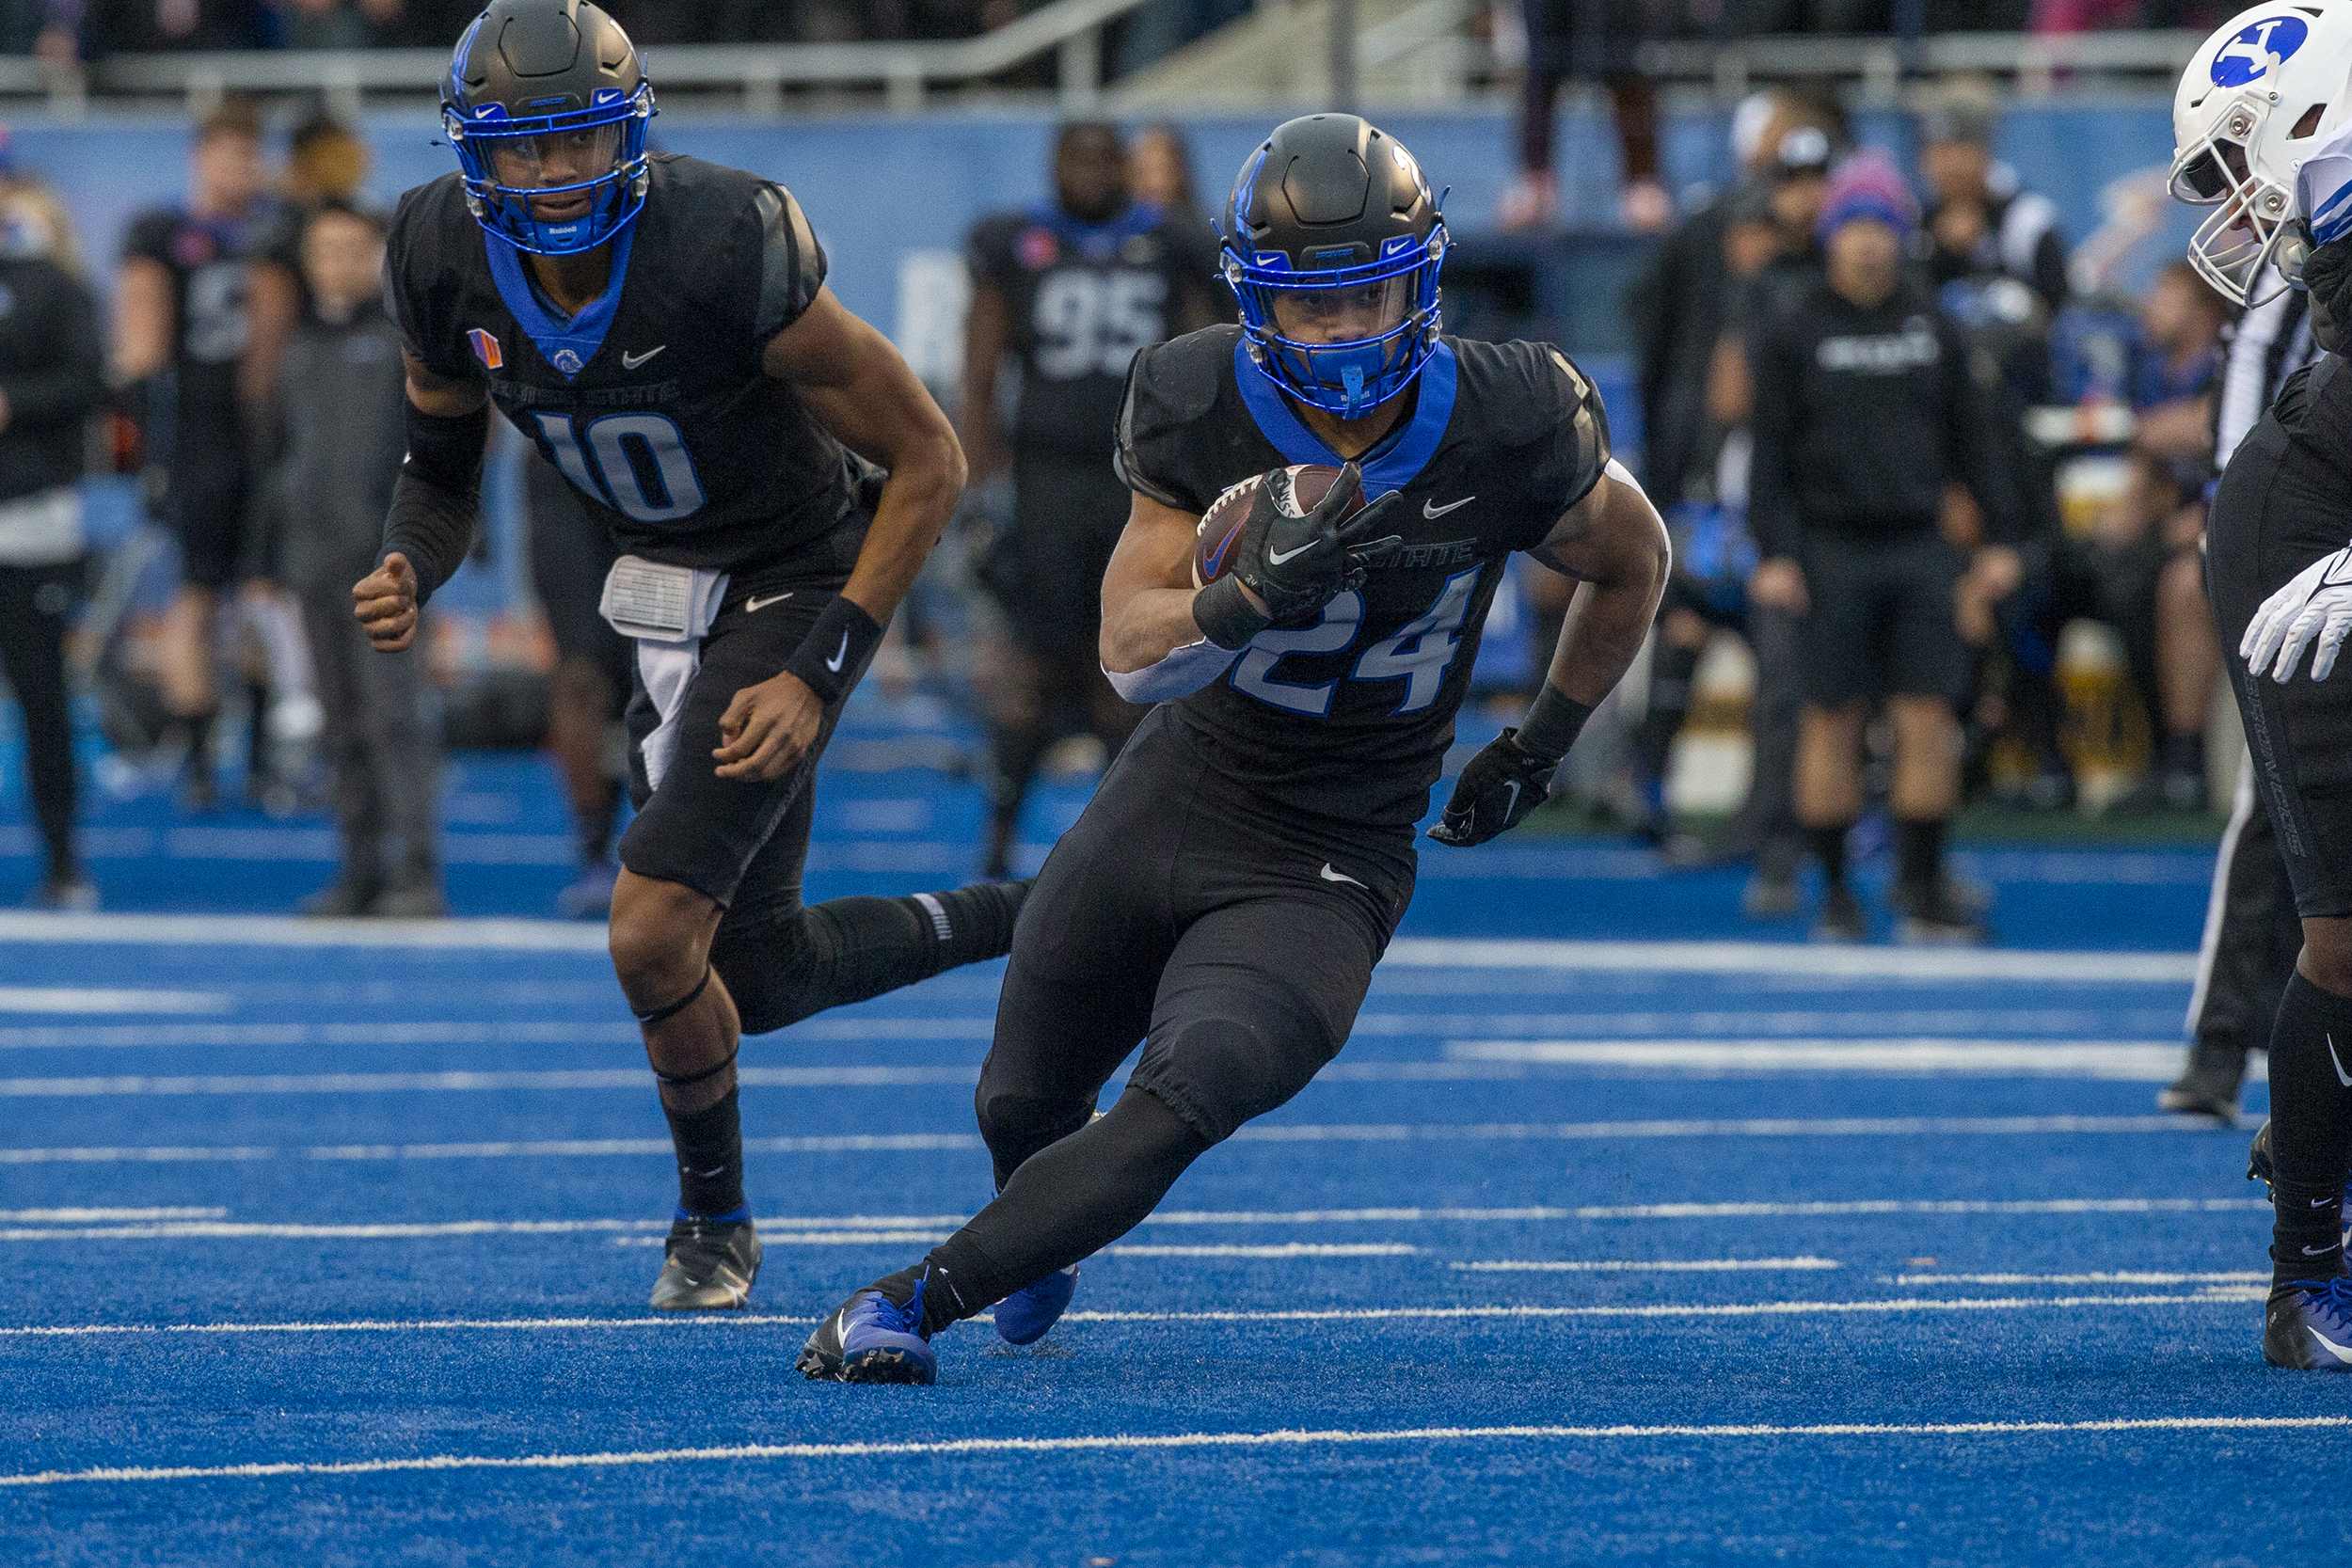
2257, 96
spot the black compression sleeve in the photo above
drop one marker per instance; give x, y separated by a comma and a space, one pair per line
439, 499
1553, 723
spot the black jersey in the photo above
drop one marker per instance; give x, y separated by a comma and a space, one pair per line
652, 401
210, 263
1084, 298
1349, 717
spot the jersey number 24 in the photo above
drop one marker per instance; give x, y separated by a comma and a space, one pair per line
640, 464
1419, 654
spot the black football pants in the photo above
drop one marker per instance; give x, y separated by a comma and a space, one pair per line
34, 604
1236, 945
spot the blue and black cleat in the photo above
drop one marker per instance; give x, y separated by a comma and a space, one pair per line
708, 1265
2307, 1325
1026, 1316
872, 1338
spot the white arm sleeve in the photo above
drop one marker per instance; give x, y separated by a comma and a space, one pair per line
1184, 670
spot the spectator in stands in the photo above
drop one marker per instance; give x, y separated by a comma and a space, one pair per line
1978, 221
151, 27
341, 409
1589, 41
1864, 414
52, 380
327, 160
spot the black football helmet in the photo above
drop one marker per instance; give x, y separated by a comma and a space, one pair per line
546, 104
1336, 213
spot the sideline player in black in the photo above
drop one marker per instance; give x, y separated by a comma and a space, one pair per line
660, 326
1071, 291
1227, 892
180, 336
2280, 577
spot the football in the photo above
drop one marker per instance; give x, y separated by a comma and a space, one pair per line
1297, 490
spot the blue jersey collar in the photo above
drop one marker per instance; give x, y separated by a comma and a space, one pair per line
1396, 463
566, 345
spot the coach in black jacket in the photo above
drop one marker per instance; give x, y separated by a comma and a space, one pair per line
1865, 415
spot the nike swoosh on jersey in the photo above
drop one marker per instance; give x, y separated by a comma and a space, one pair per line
630, 361
2342, 1077
1332, 876
752, 606
1278, 557
833, 663
1431, 509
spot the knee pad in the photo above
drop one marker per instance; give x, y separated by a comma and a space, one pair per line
768, 964
1015, 1122
1217, 1073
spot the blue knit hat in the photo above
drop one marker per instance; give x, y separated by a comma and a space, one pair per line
1866, 187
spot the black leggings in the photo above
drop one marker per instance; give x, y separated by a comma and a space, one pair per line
34, 604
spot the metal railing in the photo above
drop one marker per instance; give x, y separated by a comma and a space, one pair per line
906, 75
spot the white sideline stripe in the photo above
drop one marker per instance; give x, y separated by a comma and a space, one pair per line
2246, 1276
821, 1238
1286, 1249
1675, 1309
859, 1143
2134, 1061
1692, 1265
851, 1143
83, 1216
1122, 1442
1357, 1314
465, 1032
1753, 1128
2062, 1024
1694, 957
403, 1230
1772, 957
71, 999
472, 1083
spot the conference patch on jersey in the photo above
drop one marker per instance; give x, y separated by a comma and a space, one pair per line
486, 348
2251, 55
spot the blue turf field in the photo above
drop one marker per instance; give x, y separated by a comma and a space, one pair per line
1624, 1245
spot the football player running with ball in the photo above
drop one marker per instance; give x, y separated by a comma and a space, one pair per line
660, 329
2262, 131
1228, 891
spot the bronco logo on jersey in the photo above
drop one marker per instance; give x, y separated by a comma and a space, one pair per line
486, 348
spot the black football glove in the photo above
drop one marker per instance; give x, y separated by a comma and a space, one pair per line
1299, 565
2327, 272
1495, 793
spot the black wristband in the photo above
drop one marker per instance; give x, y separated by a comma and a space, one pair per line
835, 649
1225, 616
1552, 725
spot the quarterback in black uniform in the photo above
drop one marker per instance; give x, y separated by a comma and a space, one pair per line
1228, 891
660, 329
1071, 291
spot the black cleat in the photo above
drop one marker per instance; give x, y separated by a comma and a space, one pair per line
2208, 1085
872, 1338
2307, 1325
708, 1266
1841, 918
1939, 916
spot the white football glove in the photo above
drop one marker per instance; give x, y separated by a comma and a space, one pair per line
2317, 604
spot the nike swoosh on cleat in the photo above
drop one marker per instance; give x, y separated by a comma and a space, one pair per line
752, 607
1278, 557
2342, 1077
1431, 509
841, 653
630, 361
1513, 804
1332, 876
2333, 1349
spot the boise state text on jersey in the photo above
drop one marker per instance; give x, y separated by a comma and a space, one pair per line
653, 400
1085, 298
1349, 717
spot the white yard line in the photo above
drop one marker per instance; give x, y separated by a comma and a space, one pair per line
82, 1000
2133, 1061
1616, 1265
1114, 1443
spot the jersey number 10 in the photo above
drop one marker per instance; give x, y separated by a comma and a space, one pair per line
639, 466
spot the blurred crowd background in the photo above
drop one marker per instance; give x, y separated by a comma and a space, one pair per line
218, 410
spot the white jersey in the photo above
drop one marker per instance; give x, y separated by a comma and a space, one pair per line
2323, 186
